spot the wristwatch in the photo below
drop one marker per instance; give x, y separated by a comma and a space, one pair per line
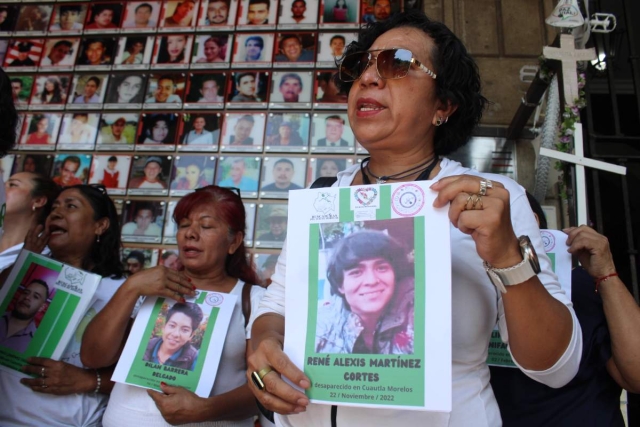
519, 273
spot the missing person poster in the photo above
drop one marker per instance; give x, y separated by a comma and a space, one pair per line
556, 248
373, 264
177, 343
42, 302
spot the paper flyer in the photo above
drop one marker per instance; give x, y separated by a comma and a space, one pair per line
42, 302
371, 268
177, 343
556, 248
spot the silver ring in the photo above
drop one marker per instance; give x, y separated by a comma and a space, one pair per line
485, 184
42, 372
43, 384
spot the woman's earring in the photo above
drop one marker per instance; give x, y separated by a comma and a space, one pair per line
441, 120
97, 238
33, 208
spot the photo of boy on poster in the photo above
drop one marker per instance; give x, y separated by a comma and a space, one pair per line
138, 259
111, 171
201, 130
28, 305
367, 290
68, 18
126, 90
134, 52
141, 15
295, 50
287, 132
176, 339
71, 169
340, 14
104, 17
117, 129
142, 219
206, 90
239, 172
165, 89
59, 54
243, 132
89, 90
249, 87
157, 129
331, 47
23, 53
253, 50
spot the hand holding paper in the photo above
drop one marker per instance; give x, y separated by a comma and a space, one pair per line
178, 405
59, 378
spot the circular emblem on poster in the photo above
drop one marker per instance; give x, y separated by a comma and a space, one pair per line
548, 240
214, 300
407, 200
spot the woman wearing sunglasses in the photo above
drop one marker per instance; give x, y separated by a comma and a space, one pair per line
414, 97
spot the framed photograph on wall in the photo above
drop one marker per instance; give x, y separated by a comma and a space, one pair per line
243, 132
217, 15
141, 16
112, 171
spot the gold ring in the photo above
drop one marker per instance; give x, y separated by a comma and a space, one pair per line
257, 377
477, 199
42, 372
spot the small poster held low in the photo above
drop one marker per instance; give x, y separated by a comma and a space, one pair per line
373, 327
43, 302
177, 343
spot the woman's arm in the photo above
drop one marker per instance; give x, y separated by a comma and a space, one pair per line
104, 337
180, 406
620, 309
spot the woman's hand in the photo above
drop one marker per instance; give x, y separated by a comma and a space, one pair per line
59, 378
592, 250
178, 405
487, 219
163, 282
277, 395
36, 239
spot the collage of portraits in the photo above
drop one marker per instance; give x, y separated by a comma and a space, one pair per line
154, 99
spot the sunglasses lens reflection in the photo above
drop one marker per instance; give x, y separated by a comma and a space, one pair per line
390, 63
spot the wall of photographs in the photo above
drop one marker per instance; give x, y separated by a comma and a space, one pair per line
154, 99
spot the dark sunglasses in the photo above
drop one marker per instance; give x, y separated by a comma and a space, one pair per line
390, 64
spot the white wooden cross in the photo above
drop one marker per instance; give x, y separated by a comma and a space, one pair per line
568, 55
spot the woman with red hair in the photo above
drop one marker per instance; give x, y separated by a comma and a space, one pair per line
211, 224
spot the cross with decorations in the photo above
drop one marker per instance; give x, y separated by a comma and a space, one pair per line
569, 56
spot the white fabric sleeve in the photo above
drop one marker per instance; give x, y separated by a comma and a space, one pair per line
257, 293
273, 300
567, 365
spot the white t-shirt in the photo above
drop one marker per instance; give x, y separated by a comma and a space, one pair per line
132, 406
476, 308
23, 407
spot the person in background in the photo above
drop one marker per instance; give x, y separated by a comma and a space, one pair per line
133, 50
253, 46
277, 226
110, 174
17, 87
78, 131
283, 172
170, 260
211, 224
8, 131
298, 8
29, 198
68, 170
102, 17
134, 262
209, 90
144, 222
608, 315
290, 87
198, 134
23, 59
329, 167
192, 178
215, 50
59, 54
242, 131
246, 86
217, 12
172, 49
90, 90
258, 12
53, 92
41, 134
142, 16
96, 52
291, 50
182, 15
68, 19
237, 179
18, 326
333, 130
337, 44
82, 231
165, 91
287, 136
128, 89
158, 130
152, 177
116, 136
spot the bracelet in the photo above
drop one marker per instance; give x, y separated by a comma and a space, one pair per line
604, 279
98, 382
